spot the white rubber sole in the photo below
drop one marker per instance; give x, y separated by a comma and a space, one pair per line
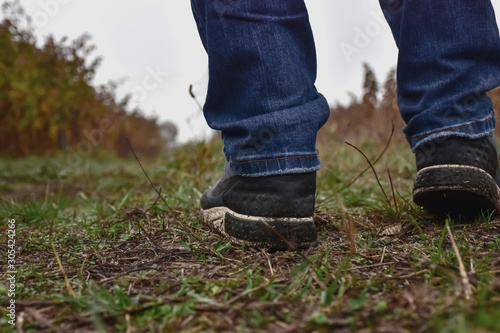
215, 219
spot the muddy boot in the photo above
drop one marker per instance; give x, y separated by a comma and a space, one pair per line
458, 177
265, 212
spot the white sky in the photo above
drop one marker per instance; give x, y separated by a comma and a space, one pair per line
136, 38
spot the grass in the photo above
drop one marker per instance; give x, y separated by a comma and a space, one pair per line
98, 251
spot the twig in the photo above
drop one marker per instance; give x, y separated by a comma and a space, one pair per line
374, 162
149, 238
294, 248
105, 280
246, 292
463, 274
320, 283
327, 199
268, 262
68, 285
383, 255
156, 201
472, 266
140, 164
407, 276
289, 245
393, 194
127, 319
352, 235
18, 214
191, 93
373, 169
372, 265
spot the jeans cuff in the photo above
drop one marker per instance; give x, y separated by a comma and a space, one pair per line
277, 166
473, 130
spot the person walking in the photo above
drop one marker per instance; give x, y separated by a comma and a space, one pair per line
261, 96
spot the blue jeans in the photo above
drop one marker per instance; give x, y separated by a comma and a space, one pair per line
262, 68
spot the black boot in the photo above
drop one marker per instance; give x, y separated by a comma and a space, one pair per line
269, 211
458, 177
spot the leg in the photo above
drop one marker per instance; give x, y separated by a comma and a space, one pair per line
261, 95
449, 53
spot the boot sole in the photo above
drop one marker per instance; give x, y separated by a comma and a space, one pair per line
456, 190
261, 232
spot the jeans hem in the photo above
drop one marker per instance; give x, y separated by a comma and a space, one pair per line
277, 166
472, 130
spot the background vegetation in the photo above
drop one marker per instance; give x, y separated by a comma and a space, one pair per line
97, 249
48, 101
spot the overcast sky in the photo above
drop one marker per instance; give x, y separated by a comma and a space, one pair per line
154, 45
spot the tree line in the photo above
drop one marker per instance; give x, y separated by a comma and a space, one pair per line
48, 101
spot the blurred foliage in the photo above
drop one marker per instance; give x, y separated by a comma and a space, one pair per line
369, 118
48, 102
